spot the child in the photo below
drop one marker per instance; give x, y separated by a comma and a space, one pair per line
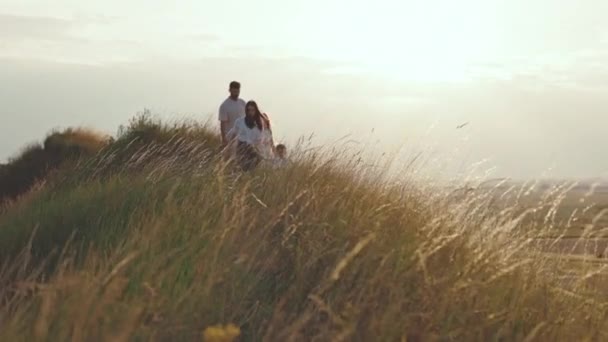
280, 160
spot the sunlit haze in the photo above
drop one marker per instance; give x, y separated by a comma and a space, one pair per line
529, 77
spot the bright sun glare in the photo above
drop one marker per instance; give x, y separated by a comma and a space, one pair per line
430, 41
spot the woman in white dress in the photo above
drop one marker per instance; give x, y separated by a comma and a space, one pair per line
253, 136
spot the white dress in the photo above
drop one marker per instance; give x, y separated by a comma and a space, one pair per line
265, 147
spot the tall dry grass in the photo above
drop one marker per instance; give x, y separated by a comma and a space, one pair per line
156, 238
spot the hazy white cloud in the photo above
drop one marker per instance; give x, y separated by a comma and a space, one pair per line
58, 39
204, 37
14, 29
95, 39
582, 69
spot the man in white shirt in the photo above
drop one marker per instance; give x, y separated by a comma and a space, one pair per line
231, 109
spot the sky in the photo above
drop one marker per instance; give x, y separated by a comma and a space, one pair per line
529, 77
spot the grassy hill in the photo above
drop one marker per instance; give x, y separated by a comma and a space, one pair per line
38, 160
151, 236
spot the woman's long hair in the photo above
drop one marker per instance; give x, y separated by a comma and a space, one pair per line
259, 119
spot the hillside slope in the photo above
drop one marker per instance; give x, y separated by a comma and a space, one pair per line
37, 161
155, 238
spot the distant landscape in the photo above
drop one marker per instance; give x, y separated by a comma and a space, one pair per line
151, 235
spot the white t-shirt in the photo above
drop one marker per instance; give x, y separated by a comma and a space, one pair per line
241, 132
230, 111
279, 163
260, 139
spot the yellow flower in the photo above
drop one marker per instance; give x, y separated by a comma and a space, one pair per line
219, 333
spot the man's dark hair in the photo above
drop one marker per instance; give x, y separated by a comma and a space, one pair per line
281, 147
235, 85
